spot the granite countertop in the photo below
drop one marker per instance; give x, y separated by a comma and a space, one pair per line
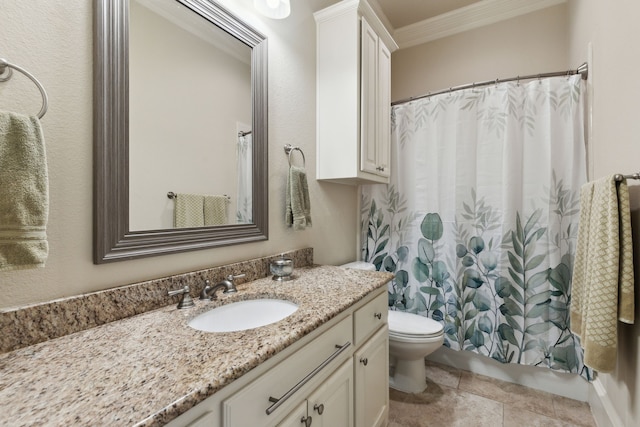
148, 369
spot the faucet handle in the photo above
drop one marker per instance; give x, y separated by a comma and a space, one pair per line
185, 299
204, 295
231, 286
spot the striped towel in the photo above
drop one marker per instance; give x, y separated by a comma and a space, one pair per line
189, 211
603, 277
24, 193
215, 210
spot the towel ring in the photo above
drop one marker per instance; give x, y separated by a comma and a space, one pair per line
4, 65
290, 149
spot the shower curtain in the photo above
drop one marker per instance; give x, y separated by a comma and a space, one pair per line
479, 221
244, 210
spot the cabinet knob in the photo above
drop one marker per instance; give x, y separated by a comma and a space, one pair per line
319, 408
306, 421
377, 315
364, 361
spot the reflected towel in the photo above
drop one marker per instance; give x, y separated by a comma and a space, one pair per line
24, 193
603, 277
298, 207
189, 211
215, 210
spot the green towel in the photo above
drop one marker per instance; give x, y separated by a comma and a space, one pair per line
24, 193
189, 211
215, 210
298, 213
603, 279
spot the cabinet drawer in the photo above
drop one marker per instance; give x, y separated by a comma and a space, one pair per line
249, 406
370, 318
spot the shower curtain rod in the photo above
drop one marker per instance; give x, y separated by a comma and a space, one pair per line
583, 70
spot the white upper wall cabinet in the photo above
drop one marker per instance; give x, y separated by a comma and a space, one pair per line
353, 94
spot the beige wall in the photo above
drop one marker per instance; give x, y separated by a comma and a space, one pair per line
611, 28
53, 40
530, 44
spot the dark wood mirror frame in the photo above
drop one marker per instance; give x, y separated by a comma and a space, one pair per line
113, 241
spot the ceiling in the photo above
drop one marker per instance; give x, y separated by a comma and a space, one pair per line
413, 22
401, 13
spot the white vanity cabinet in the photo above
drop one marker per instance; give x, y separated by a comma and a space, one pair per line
330, 405
271, 397
371, 363
353, 94
317, 381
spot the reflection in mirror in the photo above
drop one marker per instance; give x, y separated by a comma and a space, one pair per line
180, 105
189, 105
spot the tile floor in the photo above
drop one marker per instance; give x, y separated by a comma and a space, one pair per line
460, 398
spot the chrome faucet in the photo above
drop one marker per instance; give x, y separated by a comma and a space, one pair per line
209, 292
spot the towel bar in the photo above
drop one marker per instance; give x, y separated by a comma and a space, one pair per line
172, 195
619, 177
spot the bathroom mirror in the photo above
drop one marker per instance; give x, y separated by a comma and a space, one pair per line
125, 153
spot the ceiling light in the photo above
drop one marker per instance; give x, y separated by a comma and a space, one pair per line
276, 9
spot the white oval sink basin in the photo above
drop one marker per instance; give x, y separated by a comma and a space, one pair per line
242, 315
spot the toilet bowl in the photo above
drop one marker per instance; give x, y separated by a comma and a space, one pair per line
411, 338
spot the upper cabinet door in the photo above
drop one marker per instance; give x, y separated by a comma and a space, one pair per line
369, 99
383, 153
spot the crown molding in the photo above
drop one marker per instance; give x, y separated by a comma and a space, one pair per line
363, 8
467, 18
377, 9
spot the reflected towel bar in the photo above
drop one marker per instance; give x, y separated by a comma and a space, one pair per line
172, 195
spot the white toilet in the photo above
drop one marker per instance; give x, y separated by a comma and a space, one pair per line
411, 339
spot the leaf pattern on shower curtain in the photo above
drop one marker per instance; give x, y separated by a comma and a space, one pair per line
485, 245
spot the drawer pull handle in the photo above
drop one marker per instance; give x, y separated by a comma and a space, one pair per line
306, 421
377, 315
319, 408
277, 402
364, 361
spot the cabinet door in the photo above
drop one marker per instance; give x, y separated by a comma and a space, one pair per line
297, 417
372, 381
331, 404
383, 117
368, 101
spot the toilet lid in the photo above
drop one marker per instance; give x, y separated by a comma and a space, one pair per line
407, 324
